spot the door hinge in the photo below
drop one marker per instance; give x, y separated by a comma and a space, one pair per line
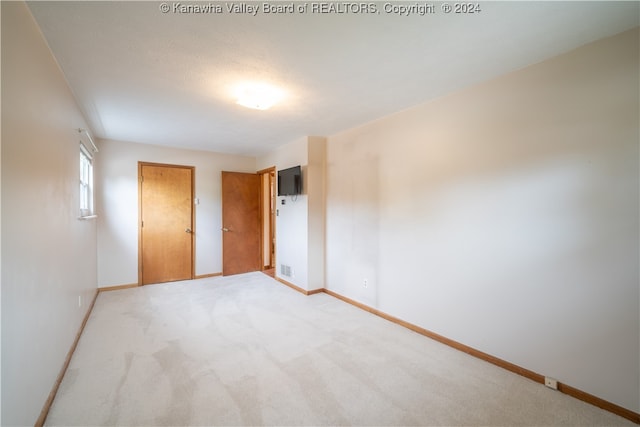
141, 178
141, 223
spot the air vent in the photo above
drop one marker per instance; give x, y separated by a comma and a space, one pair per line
285, 270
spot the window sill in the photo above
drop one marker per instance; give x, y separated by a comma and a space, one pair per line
84, 218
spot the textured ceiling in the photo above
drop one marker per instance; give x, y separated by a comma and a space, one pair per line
145, 76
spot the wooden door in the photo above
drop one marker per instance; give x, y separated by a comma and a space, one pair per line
272, 219
166, 223
241, 223
268, 200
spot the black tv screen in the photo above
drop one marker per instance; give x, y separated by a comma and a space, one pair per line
290, 181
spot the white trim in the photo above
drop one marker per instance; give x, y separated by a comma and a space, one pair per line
85, 151
93, 144
86, 188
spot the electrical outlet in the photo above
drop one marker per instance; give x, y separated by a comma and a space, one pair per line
551, 383
79, 300
365, 283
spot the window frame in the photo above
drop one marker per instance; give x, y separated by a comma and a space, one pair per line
85, 177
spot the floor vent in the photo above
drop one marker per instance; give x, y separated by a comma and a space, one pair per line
285, 270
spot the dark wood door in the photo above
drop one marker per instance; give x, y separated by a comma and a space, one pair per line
166, 223
241, 223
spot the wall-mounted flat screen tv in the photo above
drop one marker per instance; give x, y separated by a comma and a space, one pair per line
290, 181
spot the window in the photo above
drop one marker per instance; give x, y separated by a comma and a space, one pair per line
86, 182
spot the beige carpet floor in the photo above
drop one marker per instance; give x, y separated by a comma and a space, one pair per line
246, 350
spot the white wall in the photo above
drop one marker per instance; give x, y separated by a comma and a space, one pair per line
291, 218
316, 167
117, 205
300, 231
505, 217
48, 255
0, 223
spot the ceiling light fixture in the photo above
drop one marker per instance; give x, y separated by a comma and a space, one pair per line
258, 96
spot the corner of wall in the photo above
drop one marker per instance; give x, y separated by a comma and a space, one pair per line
316, 174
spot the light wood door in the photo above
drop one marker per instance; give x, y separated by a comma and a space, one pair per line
166, 223
268, 217
272, 219
241, 223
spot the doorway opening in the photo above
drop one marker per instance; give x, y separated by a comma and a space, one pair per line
268, 209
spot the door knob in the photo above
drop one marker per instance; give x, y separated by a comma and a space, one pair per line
225, 229
187, 230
